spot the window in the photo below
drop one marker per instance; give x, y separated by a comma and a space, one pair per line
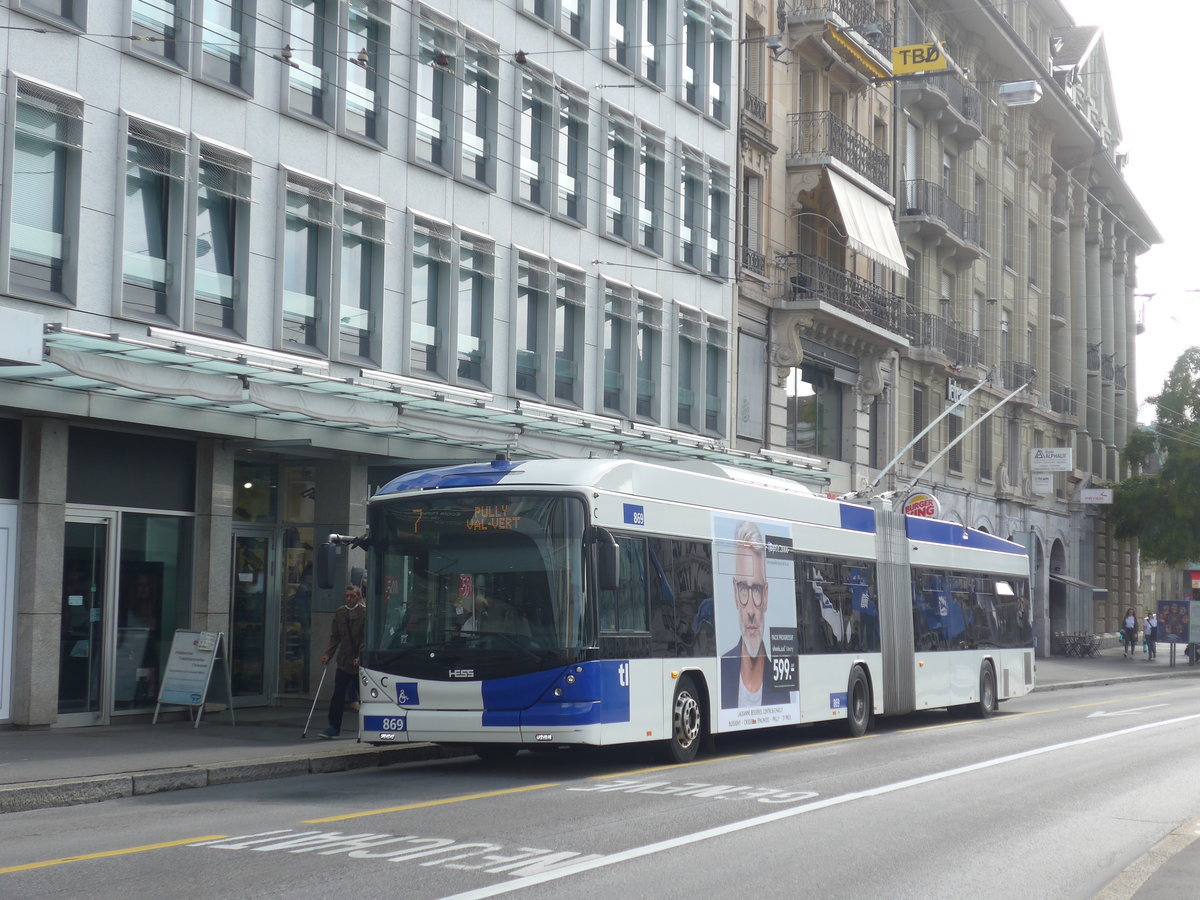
366, 58
455, 103
1006, 232
619, 178
225, 49
984, 427
687, 368
479, 117
701, 371
635, 37
360, 293
753, 80
159, 29
569, 17
153, 221
307, 253
568, 333
428, 297
751, 237
752, 368
652, 186
473, 315
718, 221
954, 429
1013, 451
716, 354
42, 202
311, 54
529, 330
626, 608
537, 141
648, 356
814, 405
920, 450
572, 155
691, 218
1033, 254
618, 306
707, 52
60, 12
222, 246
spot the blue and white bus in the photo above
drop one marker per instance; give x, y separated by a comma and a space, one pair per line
602, 602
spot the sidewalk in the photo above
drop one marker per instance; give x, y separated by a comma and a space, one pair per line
47, 767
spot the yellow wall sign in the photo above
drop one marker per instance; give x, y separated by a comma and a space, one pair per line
918, 58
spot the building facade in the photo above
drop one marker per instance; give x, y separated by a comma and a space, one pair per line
257, 258
944, 283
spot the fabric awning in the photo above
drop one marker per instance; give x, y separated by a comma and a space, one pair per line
869, 226
1075, 582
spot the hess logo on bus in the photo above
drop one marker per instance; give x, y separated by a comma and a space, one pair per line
461, 673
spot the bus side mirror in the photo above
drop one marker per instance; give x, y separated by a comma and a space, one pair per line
608, 561
326, 562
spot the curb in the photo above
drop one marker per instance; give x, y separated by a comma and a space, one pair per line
31, 795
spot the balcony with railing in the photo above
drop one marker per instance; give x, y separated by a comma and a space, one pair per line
1015, 374
1063, 399
811, 283
754, 261
944, 93
754, 105
817, 137
927, 210
936, 337
859, 17
1058, 307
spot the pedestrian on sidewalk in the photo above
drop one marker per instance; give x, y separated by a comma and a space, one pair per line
1130, 632
1146, 636
1152, 635
346, 636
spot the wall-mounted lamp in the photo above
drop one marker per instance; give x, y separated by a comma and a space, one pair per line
775, 45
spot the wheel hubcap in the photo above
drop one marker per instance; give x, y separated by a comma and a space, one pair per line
687, 719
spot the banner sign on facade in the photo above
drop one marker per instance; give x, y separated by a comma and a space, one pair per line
918, 58
1043, 483
1051, 459
1096, 495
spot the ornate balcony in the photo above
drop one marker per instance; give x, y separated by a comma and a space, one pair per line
859, 16
1063, 399
817, 137
811, 283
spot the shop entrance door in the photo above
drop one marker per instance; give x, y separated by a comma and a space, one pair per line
83, 681
255, 616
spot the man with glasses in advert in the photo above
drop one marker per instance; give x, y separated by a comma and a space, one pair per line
747, 676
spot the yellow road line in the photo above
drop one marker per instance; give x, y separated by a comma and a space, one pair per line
427, 803
107, 853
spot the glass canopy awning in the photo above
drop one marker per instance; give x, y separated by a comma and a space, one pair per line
192, 373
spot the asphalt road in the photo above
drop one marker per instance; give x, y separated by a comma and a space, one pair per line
1054, 797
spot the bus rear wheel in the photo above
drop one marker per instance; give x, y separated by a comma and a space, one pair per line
687, 722
987, 692
858, 703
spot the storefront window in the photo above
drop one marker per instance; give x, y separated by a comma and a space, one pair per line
255, 493
153, 599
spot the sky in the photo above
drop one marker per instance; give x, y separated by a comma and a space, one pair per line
1152, 48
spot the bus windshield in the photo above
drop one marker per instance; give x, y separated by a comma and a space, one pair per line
494, 577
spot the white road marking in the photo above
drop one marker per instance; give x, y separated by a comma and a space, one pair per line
779, 815
1124, 712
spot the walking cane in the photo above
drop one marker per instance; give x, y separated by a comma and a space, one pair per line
316, 696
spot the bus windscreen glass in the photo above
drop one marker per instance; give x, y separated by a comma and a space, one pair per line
482, 577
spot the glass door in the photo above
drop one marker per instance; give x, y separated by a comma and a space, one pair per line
87, 575
255, 612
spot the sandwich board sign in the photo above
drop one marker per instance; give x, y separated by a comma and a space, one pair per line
189, 672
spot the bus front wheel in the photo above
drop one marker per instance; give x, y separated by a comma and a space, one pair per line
687, 722
858, 703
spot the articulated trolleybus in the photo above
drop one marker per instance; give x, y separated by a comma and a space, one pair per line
560, 602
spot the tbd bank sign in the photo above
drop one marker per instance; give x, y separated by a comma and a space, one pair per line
1051, 459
